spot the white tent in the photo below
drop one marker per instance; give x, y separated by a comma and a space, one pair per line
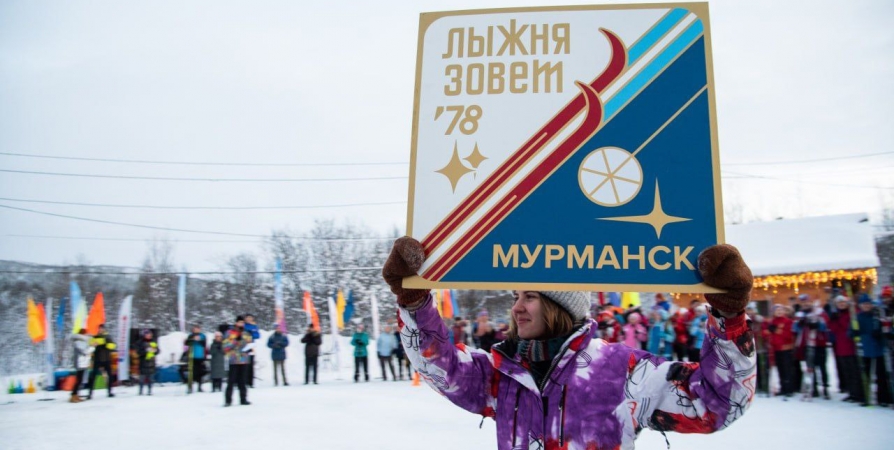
812, 244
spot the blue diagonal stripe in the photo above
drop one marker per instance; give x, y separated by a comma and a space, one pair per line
655, 34
651, 70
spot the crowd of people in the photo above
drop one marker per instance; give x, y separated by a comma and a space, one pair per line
794, 343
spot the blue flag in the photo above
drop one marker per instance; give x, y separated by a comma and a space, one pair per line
349, 307
60, 318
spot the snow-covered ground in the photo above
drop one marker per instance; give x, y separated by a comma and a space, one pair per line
339, 414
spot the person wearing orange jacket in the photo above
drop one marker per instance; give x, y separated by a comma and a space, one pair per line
782, 342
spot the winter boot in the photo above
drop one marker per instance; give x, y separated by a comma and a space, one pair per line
75, 398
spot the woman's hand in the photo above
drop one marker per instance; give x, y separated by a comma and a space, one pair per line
722, 267
405, 260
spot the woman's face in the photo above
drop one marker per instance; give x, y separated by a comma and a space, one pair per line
527, 311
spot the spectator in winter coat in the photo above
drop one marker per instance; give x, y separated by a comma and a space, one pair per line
850, 381
485, 332
102, 359
661, 333
782, 341
361, 357
697, 330
385, 346
761, 348
278, 342
634, 333
147, 350
82, 351
553, 384
608, 327
401, 358
236, 345
252, 329
870, 334
196, 344
812, 340
218, 369
312, 341
459, 330
681, 334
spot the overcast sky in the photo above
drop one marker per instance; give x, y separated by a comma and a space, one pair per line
332, 82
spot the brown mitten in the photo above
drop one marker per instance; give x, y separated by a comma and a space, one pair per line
722, 267
405, 259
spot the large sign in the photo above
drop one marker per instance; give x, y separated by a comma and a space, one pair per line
565, 148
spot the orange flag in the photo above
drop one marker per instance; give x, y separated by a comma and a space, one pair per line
36, 322
97, 315
309, 309
447, 305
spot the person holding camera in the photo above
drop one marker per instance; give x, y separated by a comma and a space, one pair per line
237, 344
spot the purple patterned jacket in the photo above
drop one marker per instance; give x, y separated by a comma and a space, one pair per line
597, 395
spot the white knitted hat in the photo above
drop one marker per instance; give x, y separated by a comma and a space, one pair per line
575, 302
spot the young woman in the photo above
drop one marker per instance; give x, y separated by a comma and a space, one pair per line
552, 384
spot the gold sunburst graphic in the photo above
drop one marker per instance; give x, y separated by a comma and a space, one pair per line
455, 169
657, 218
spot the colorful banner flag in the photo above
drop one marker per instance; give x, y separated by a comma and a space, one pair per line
333, 330
97, 315
279, 305
630, 300
124, 325
51, 343
36, 323
181, 302
454, 298
312, 317
437, 298
340, 309
349, 307
374, 310
447, 304
78, 308
60, 318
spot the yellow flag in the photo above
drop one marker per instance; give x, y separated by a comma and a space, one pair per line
340, 309
36, 324
437, 296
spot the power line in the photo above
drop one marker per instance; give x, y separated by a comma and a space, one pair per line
92, 238
803, 161
113, 205
823, 183
182, 230
138, 177
197, 163
254, 272
176, 241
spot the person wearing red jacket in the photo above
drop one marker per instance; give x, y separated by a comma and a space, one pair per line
812, 344
850, 381
681, 334
782, 341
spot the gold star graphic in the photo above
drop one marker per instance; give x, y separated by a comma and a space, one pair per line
657, 218
454, 170
476, 158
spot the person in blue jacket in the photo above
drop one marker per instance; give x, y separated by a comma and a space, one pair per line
251, 328
360, 340
385, 345
870, 333
196, 344
278, 343
697, 331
